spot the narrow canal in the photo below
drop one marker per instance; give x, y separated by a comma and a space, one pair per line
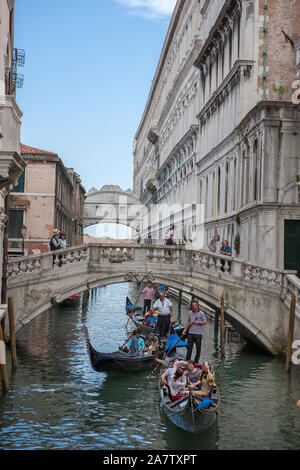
56, 400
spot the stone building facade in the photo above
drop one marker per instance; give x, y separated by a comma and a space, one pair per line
11, 163
48, 195
221, 128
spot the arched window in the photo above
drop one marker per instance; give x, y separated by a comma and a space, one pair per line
219, 191
255, 171
234, 186
226, 186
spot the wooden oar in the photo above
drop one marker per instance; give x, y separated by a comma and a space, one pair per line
165, 356
130, 314
192, 405
126, 341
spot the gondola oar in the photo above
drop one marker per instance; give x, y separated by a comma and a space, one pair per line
130, 314
126, 341
166, 356
192, 405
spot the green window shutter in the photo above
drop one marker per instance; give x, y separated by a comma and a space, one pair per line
20, 187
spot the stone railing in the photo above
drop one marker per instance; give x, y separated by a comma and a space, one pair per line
292, 286
203, 261
178, 259
27, 266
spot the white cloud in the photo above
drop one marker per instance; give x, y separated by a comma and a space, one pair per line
149, 8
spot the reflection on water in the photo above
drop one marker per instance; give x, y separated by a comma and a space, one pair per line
57, 401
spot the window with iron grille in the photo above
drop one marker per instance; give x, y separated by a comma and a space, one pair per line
15, 223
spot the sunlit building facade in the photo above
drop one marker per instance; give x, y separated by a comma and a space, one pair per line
221, 128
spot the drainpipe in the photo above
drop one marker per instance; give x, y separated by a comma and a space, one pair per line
265, 48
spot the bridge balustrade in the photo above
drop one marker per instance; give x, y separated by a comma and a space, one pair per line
178, 258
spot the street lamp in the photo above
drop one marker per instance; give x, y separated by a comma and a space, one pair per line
23, 231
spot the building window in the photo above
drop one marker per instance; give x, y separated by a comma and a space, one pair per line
219, 191
20, 187
255, 171
15, 223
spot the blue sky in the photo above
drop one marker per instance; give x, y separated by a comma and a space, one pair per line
88, 72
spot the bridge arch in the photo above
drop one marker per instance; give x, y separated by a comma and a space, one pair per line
111, 204
248, 330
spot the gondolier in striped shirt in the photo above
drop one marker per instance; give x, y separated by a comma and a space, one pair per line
165, 313
196, 320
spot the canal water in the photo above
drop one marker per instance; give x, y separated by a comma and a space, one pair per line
57, 401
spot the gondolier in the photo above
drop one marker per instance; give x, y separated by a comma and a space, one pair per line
165, 313
149, 293
196, 320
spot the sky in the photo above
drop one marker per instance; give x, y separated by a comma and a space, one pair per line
87, 75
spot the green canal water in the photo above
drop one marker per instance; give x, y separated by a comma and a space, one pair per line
57, 401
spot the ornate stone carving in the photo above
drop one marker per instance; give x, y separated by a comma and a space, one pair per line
135, 277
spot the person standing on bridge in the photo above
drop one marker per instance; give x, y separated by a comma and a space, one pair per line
212, 246
165, 313
193, 327
225, 250
55, 241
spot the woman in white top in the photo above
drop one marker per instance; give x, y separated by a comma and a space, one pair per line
177, 384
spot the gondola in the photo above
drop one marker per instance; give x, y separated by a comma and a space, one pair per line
184, 412
73, 299
147, 329
119, 360
129, 306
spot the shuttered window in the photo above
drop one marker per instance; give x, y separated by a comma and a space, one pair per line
20, 187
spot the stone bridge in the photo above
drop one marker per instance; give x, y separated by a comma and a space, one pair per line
112, 205
257, 298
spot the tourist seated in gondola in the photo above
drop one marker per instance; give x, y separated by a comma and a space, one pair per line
177, 385
136, 345
207, 379
193, 376
151, 319
172, 366
151, 345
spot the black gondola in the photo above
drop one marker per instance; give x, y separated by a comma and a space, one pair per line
184, 413
138, 320
145, 329
119, 360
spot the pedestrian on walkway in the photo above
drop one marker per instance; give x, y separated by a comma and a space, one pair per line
55, 243
170, 240
193, 327
165, 313
212, 246
225, 250
63, 240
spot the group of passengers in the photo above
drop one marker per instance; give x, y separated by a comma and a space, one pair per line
183, 377
140, 347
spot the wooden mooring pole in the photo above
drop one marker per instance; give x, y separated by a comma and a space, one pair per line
291, 332
222, 326
12, 333
179, 305
85, 297
3, 369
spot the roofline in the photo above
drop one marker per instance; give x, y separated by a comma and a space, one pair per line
36, 151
